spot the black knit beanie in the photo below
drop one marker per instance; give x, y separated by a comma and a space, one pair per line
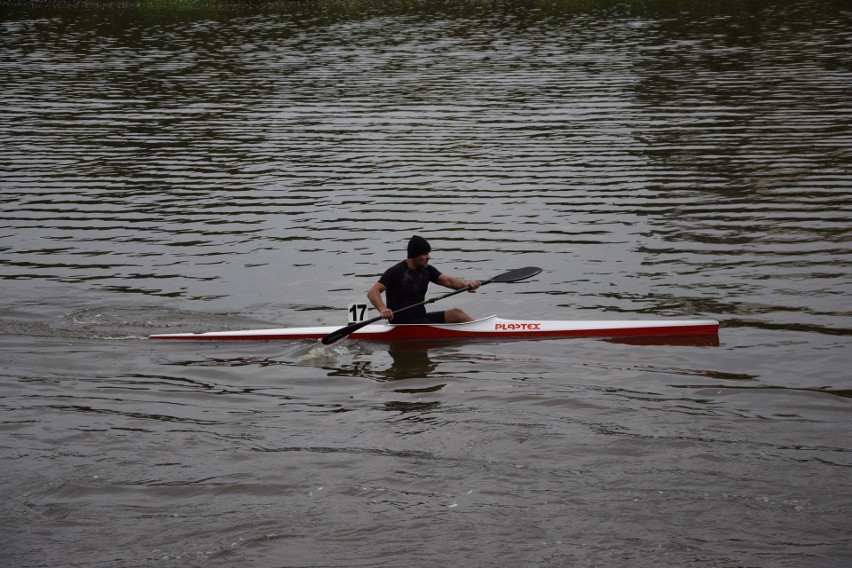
417, 246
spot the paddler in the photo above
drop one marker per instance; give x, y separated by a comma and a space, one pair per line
405, 284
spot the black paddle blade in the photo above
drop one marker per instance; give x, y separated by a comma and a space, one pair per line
517, 274
344, 331
336, 336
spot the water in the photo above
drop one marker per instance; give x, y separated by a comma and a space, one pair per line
200, 166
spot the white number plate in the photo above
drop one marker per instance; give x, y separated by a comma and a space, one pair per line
357, 312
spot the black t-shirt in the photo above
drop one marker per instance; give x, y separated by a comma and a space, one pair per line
405, 287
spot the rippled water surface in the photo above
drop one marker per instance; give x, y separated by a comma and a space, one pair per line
200, 166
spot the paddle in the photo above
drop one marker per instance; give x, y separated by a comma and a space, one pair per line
511, 276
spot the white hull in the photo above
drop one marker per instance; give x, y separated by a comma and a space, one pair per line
491, 327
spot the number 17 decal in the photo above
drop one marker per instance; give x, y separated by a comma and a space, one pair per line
357, 312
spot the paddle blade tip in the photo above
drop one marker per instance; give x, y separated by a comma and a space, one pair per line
518, 274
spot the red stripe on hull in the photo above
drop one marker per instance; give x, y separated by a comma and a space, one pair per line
405, 333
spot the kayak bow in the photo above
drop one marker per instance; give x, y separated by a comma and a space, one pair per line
491, 327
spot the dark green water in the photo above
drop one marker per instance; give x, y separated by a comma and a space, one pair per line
198, 166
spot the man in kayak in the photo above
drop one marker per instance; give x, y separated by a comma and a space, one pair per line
405, 284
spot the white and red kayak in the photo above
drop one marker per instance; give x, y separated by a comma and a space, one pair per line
492, 327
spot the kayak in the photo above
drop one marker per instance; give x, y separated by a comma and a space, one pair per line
491, 327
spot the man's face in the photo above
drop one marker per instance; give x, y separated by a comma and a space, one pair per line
421, 261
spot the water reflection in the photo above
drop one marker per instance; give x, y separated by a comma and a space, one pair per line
409, 362
406, 407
